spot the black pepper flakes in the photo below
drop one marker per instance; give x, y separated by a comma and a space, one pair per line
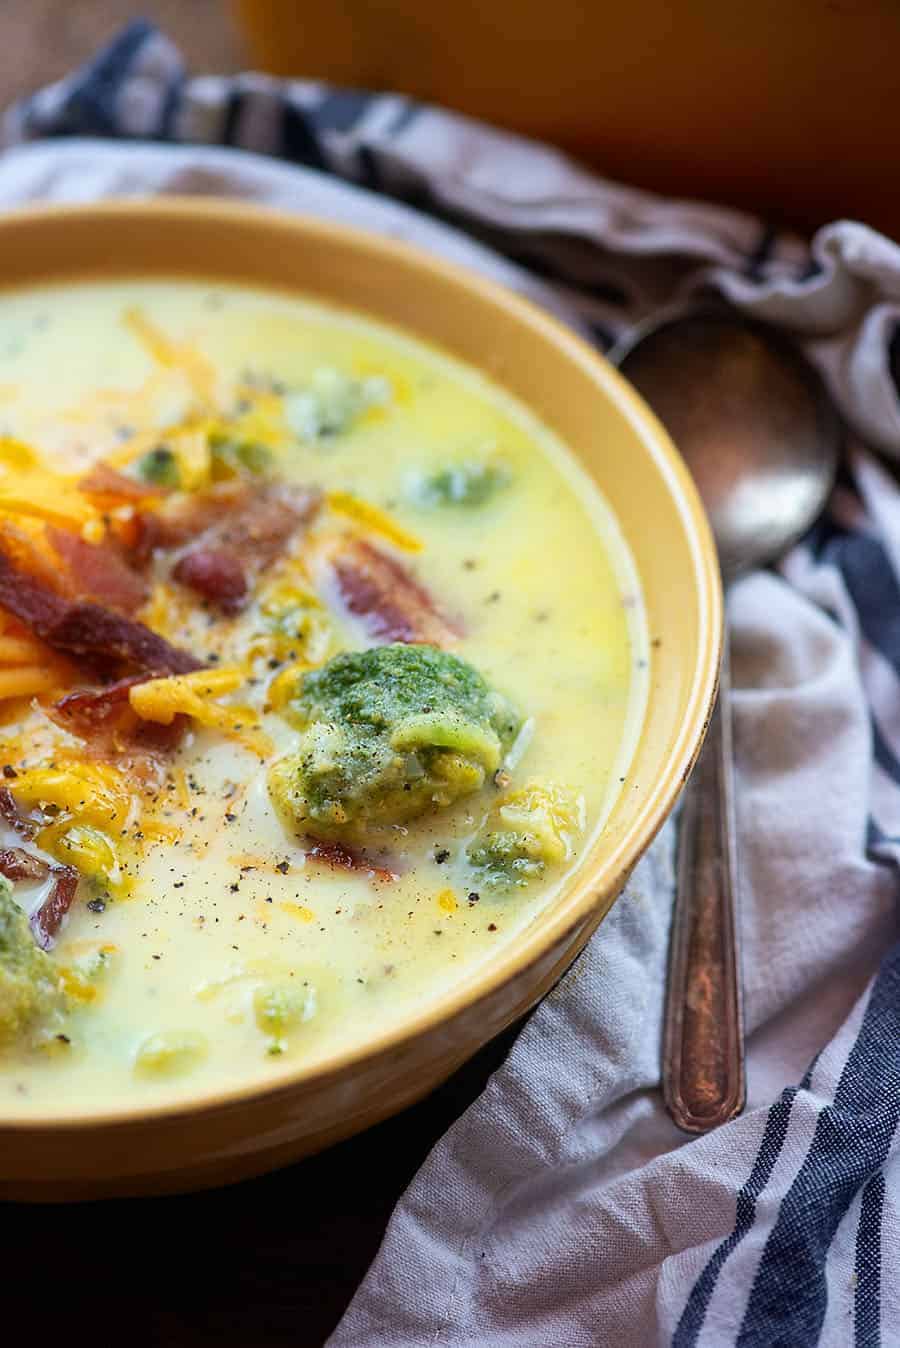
442, 855
97, 905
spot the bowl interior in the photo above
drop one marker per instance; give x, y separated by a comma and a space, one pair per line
552, 371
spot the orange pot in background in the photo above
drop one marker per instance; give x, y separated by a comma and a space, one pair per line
786, 107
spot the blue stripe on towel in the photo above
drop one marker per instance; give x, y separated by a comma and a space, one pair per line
867, 1297
299, 142
234, 106
872, 586
775, 1131
92, 102
341, 109
883, 754
851, 1142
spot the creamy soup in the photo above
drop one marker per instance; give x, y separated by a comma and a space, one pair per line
321, 664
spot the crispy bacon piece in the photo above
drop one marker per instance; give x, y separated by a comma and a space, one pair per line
104, 719
111, 488
339, 857
392, 605
98, 571
181, 520
90, 711
45, 923
214, 574
184, 518
17, 864
246, 539
105, 640
11, 814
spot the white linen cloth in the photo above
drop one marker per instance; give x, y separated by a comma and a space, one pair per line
563, 1209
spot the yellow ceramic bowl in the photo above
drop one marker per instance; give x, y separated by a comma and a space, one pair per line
226, 1136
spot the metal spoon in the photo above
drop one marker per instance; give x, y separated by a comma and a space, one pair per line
761, 437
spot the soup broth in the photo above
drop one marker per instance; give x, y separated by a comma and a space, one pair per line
342, 667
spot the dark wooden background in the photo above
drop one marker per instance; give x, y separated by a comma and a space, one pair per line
265, 1263
272, 1261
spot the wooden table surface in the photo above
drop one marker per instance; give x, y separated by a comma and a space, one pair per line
272, 1261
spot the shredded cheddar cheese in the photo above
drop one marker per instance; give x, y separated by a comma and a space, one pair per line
298, 910
161, 700
174, 355
373, 519
91, 793
28, 681
46, 495
16, 454
190, 445
284, 686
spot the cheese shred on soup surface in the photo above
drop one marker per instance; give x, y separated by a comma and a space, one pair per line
321, 664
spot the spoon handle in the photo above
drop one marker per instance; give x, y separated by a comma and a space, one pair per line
703, 1044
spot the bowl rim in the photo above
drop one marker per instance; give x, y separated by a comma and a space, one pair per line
585, 889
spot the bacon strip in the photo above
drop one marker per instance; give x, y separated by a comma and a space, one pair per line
247, 538
339, 857
104, 719
392, 605
114, 488
98, 571
11, 814
89, 711
214, 574
17, 864
104, 639
46, 922
182, 519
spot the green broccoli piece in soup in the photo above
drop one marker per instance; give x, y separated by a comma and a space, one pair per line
332, 403
388, 734
533, 827
29, 981
159, 467
232, 456
465, 484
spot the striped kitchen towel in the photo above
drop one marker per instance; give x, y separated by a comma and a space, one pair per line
563, 1209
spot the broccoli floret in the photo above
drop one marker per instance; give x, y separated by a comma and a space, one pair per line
532, 828
389, 733
466, 484
160, 467
29, 982
332, 402
236, 455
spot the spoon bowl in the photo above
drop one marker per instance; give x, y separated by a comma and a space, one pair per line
752, 419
